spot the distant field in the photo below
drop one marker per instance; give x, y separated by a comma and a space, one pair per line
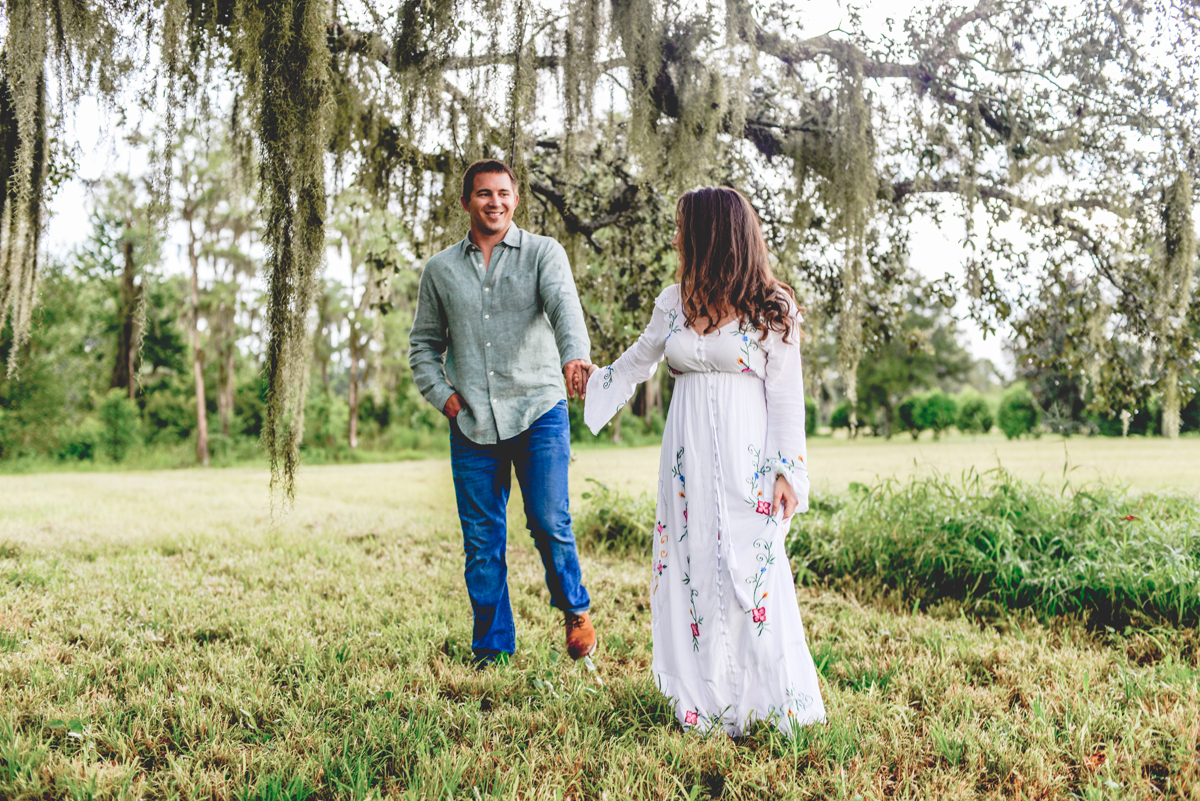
1139, 463
161, 637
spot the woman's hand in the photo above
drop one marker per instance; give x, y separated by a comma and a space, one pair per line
785, 497
575, 374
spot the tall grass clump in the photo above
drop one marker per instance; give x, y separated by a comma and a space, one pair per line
614, 522
991, 539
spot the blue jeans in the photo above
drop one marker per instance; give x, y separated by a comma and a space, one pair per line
482, 480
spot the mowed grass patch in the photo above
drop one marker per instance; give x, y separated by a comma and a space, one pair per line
183, 647
1140, 463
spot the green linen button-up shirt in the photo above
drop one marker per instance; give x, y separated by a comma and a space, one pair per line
498, 336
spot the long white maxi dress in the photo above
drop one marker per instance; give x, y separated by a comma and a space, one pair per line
729, 645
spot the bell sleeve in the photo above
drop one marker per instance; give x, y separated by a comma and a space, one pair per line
610, 387
787, 449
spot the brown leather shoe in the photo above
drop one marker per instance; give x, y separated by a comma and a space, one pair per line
581, 636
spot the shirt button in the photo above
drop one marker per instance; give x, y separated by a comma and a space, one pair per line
487, 289
491, 372
487, 316
489, 344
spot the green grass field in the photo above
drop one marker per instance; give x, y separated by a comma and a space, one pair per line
162, 637
1140, 463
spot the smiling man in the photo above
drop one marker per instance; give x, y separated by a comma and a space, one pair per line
498, 328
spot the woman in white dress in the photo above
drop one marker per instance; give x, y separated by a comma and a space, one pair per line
729, 646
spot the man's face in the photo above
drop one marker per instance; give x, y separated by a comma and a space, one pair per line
492, 202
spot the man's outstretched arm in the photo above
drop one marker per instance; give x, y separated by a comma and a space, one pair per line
560, 300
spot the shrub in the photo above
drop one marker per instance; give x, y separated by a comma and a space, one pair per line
937, 412
614, 522
81, 442
994, 540
909, 414
1019, 413
1109, 425
810, 416
1189, 416
840, 417
974, 416
121, 424
326, 420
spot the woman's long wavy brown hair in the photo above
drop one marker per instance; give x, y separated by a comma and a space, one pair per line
724, 266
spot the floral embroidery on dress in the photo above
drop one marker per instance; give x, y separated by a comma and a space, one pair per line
677, 472
757, 581
673, 322
748, 345
696, 621
660, 564
691, 718
783, 466
762, 469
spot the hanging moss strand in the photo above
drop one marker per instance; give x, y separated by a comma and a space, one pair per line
851, 198
294, 69
22, 164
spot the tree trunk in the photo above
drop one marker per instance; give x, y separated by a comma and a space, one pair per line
1170, 410
353, 391
198, 355
616, 424
228, 391
222, 401
123, 369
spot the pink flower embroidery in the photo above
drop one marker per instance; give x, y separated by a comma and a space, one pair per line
695, 630
763, 508
658, 567
659, 528
691, 718
685, 515
760, 615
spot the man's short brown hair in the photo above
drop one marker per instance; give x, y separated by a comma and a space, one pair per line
485, 165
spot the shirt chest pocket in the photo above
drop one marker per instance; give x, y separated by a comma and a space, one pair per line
516, 292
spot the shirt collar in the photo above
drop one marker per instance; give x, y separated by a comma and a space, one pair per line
512, 239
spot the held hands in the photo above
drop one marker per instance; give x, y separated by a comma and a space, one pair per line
785, 497
576, 373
